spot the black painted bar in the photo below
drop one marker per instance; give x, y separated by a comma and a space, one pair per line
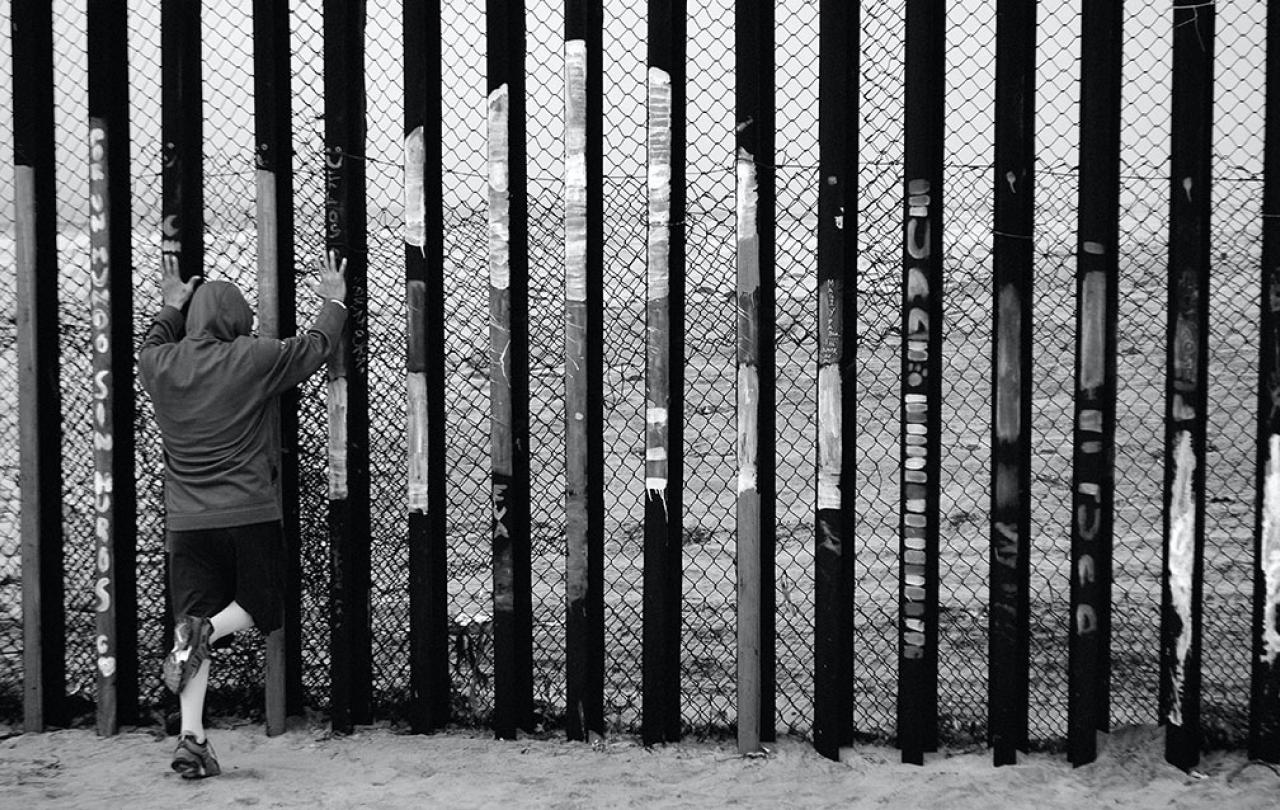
1013, 260
277, 318
39, 397
111, 303
921, 380
664, 379
1264, 709
839, 42
584, 380
182, 131
425, 367
345, 233
1097, 276
509, 374
755, 130
1191, 152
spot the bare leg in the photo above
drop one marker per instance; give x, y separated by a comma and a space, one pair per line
191, 702
230, 619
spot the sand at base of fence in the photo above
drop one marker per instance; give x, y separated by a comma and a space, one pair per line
376, 767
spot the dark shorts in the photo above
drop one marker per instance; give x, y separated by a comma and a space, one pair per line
210, 568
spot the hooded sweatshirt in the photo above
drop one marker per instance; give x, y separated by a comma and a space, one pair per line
213, 391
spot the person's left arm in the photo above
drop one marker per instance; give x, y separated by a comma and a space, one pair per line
170, 323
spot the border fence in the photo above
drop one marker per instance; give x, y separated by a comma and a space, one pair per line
902, 370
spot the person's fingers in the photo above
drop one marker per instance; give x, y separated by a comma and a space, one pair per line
342, 268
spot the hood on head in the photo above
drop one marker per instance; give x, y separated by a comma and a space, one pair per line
218, 310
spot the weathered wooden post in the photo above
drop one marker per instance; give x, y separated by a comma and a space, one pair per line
39, 398
509, 370
1013, 259
664, 378
921, 380
425, 367
111, 306
277, 319
1191, 156
753, 48
1097, 274
840, 38
1264, 711
348, 389
583, 368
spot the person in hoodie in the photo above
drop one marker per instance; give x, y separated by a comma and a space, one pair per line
214, 387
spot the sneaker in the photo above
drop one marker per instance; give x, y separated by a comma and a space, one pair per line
194, 760
190, 649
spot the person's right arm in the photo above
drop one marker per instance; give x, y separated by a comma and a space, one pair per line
297, 358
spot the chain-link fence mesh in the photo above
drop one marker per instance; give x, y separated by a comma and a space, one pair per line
708, 641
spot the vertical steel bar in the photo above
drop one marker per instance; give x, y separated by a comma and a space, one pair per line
111, 305
584, 382
348, 393
1013, 259
1264, 710
1191, 153
277, 318
1097, 274
664, 379
424, 278
39, 397
839, 41
509, 368
181, 124
753, 49
921, 380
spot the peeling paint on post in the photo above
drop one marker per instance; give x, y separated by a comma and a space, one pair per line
664, 378
1013, 262
834, 517
921, 381
1191, 117
1093, 482
584, 382
1264, 709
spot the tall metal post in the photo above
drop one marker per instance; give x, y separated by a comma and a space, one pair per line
111, 305
664, 378
756, 196
348, 391
921, 381
839, 43
39, 398
509, 369
1191, 156
1097, 275
425, 367
277, 318
1013, 261
584, 381
181, 128
1264, 710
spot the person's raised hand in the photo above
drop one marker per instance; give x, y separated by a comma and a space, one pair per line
174, 292
331, 281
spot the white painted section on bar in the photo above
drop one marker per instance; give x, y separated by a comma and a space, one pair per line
575, 170
1269, 553
417, 441
655, 454
1182, 533
747, 197
830, 436
268, 256
415, 200
748, 418
499, 191
337, 402
659, 182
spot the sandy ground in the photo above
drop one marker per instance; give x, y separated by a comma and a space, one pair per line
376, 767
